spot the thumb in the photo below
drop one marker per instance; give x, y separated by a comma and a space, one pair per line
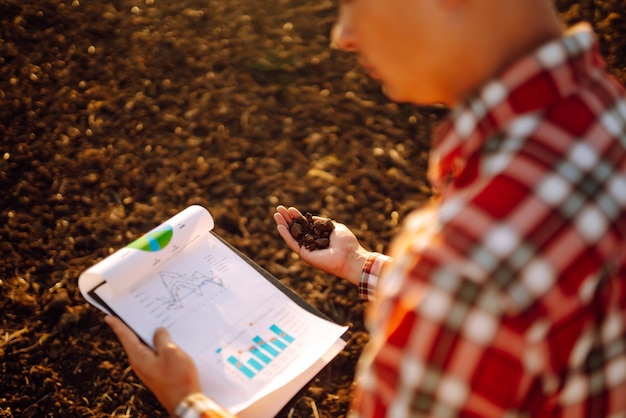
162, 339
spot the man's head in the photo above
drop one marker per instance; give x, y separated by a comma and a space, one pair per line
438, 51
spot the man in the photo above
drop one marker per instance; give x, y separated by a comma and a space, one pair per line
506, 296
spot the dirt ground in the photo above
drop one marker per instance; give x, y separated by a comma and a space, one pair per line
114, 115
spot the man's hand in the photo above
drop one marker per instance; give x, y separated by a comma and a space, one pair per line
343, 258
169, 372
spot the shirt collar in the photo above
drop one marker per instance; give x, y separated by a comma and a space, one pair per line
530, 85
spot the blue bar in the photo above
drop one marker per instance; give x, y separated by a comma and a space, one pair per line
282, 334
257, 353
265, 346
258, 366
278, 343
249, 373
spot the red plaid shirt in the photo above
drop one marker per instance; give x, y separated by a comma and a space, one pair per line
507, 298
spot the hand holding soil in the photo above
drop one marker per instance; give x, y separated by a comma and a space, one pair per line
344, 255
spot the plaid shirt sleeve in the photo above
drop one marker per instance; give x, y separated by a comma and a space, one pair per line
513, 302
369, 275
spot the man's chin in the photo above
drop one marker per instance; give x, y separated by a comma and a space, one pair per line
391, 95
400, 97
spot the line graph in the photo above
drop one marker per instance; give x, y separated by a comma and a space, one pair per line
179, 286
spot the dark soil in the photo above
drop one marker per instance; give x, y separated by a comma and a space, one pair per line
312, 234
114, 115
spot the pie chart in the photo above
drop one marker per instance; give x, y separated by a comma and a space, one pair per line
154, 240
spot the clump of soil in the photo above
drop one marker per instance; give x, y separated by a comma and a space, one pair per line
312, 234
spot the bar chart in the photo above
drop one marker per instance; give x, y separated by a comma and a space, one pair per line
261, 353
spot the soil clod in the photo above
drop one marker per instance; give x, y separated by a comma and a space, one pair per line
312, 234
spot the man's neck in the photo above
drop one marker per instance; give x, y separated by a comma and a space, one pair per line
517, 28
